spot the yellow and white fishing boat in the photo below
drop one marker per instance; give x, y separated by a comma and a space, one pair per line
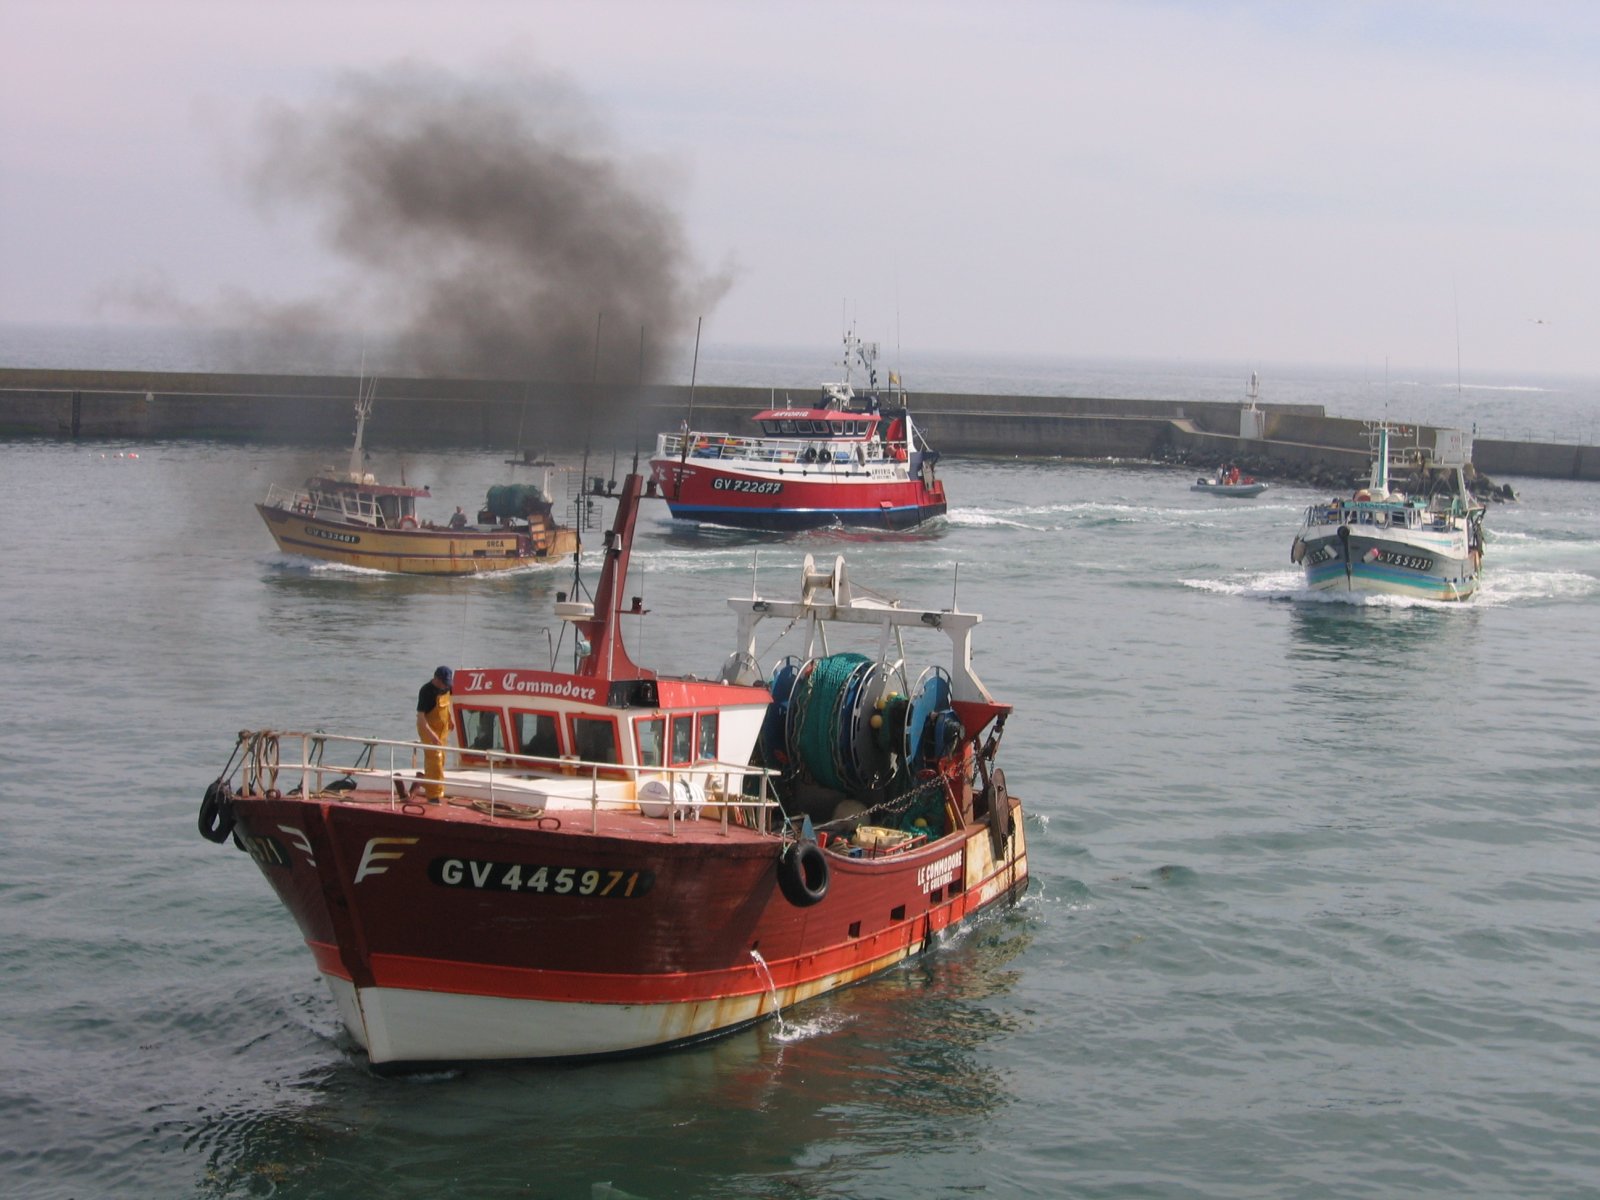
353, 519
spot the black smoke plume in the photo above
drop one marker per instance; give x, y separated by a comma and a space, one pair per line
491, 227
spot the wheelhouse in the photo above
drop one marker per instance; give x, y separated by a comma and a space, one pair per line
818, 423
379, 505
635, 728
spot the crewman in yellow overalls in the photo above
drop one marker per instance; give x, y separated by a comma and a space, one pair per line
433, 727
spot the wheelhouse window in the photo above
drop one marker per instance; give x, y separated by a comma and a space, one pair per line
682, 739
708, 736
538, 734
650, 733
595, 739
481, 729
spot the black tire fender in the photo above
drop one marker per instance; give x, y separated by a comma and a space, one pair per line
803, 874
216, 812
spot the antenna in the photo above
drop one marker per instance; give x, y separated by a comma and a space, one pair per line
898, 364
365, 390
588, 435
688, 422
522, 417
594, 393
638, 404
694, 368
1456, 300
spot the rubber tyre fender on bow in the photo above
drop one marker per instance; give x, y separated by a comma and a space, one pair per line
803, 874
216, 812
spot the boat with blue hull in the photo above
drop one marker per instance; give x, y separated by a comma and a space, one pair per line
1425, 545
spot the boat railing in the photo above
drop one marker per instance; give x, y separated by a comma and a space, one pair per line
297, 499
806, 452
501, 782
1382, 513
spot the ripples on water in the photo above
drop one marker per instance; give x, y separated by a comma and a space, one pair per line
1315, 881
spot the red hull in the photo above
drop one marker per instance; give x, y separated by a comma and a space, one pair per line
437, 900
721, 495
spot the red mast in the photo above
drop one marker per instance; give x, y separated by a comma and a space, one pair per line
608, 656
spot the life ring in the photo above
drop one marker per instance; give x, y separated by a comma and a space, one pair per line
408, 522
803, 874
216, 812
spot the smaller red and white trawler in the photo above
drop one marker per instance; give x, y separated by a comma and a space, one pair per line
849, 460
352, 518
623, 861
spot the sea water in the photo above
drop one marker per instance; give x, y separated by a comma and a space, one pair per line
1314, 894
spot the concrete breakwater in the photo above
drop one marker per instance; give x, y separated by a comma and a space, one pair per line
1282, 441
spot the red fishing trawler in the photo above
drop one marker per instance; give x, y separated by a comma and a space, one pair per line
624, 861
850, 459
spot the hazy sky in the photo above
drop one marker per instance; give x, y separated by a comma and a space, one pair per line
1263, 182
